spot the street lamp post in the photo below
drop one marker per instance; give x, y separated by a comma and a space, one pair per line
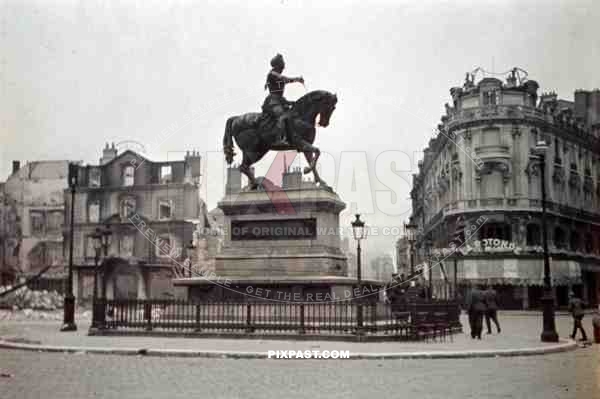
106, 241
69, 301
411, 234
97, 237
455, 282
359, 232
459, 241
549, 333
101, 239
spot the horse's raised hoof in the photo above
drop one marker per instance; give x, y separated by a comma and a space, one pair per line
307, 170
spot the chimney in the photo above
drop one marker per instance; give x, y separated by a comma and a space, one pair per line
16, 166
192, 165
108, 154
234, 181
292, 178
587, 106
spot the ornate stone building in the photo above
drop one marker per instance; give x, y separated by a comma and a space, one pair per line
152, 210
478, 188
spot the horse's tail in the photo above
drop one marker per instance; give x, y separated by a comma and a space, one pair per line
228, 142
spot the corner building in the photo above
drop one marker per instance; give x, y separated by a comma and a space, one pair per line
478, 187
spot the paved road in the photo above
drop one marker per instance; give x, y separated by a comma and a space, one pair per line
43, 375
47, 375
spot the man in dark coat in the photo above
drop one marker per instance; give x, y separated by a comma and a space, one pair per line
576, 308
491, 313
476, 308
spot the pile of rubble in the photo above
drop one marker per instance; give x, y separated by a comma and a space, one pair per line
24, 298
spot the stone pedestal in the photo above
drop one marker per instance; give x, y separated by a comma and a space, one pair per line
285, 233
281, 244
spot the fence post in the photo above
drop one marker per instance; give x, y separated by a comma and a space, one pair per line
197, 318
301, 331
148, 314
359, 319
249, 328
374, 316
98, 313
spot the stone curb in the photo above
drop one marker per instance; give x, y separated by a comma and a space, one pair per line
563, 346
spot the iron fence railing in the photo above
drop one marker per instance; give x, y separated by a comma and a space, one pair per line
417, 320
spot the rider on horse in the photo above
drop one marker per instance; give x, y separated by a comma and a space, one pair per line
275, 105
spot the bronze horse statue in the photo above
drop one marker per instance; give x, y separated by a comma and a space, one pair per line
255, 133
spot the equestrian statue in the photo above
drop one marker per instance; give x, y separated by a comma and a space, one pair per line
283, 125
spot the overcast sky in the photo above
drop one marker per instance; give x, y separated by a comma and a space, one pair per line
77, 74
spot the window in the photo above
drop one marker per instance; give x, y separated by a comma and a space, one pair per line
489, 98
37, 223
533, 235
559, 238
94, 177
128, 207
490, 136
128, 175
166, 175
94, 212
574, 241
163, 246
501, 231
589, 243
55, 222
165, 210
557, 158
54, 254
90, 250
492, 184
126, 245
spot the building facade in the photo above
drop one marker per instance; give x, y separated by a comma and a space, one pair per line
152, 210
382, 268
403, 256
32, 218
478, 189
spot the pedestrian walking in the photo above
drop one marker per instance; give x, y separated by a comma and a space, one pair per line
491, 313
476, 308
576, 308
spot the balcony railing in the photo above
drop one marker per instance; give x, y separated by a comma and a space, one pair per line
495, 112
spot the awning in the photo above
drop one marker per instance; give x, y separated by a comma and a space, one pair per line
516, 271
